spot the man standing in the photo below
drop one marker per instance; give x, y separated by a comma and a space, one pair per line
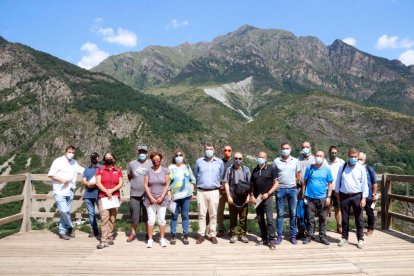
288, 174
237, 174
317, 187
208, 172
63, 173
352, 191
334, 163
228, 161
136, 172
372, 192
91, 192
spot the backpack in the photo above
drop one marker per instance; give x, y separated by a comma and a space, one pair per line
239, 191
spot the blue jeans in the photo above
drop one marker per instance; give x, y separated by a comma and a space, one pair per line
64, 203
90, 205
183, 205
292, 198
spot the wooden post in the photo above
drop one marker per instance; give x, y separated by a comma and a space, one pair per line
383, 200
27, 202
388, 204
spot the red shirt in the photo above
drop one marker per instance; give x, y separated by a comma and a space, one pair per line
109, 179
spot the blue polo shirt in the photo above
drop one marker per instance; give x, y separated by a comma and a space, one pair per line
209, 173
317, 181
88, 173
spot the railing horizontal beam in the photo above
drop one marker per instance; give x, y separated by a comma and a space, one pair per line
12, 218
402, 198
10, 199
401, 217
400, 178
12, 178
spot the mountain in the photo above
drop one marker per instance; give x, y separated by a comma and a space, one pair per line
275, 59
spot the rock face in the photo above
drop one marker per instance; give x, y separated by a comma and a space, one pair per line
276, 59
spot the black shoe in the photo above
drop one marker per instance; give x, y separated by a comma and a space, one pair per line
111, 242
308, 239
185, 240
325, 241
71, 232
214, 240
200, 239
64, 237
173, 240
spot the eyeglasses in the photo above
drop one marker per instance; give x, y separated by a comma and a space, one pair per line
237, 158
227, 150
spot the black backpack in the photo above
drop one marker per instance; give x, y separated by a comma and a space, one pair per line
239, 191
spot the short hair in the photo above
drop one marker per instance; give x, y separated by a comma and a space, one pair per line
307, 142
175, 155
113, 156
353, 150
364, 156
155, 153
209, 144
70, 147
332, 147
284, 144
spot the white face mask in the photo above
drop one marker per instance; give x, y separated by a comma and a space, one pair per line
319, 160
69, 156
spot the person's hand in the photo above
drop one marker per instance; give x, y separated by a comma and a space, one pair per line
159, 200
193, 196
265, 196
65, 181
169, 197
374, 198
363, 202
302, 195
253, 200
222, 188
230, 200
153, 201
108, 193
328, 202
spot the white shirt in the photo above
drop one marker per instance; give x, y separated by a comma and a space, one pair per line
66, 169
334, 166
354, 180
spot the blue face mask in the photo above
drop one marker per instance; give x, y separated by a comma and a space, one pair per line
142, 156
353, 161
306, 151
209, 153
260, 161
286, 152
179, 159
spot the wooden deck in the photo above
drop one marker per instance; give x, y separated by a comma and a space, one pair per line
42, 252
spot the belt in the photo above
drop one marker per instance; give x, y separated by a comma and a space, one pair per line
349, 194
202, 189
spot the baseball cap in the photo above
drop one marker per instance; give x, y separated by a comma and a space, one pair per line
94, 155
142, 147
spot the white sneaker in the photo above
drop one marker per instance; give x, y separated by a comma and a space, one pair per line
163, 243
343, 242
149, 243
360, 244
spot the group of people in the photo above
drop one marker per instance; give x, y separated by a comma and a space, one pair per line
311, 182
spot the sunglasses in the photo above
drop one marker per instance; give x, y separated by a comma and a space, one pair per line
180, 154
236, 158
227, 150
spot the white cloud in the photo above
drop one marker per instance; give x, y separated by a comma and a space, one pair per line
93, 56
393, 42
407, 57
121, 36
175, 24
350, 41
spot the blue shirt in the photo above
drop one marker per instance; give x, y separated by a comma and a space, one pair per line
209, 173
317, 181
88, 173
372, 179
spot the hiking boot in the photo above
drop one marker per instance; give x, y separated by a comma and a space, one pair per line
220, 234
185, 240
111, 242
233, 239
370, 232
272, 245
343, 242
163, 243
324, 241
278, 240
294, 241
173, 240
300, 235
64, 237
102, 245
200, 239
149, 243
307, 240
244, 239
214, 240
71, 232
131, 238
360, 244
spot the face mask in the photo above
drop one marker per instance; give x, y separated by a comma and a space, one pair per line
109, 162
69, 156
142, 156
332, 155
238, 162
209, 153
260, 161
286, 152
94, 161
318, 160
156, 162
179, 159
361, 162
353, 161
306, 151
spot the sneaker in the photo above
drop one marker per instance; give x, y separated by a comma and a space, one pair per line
233, 239
307, 240
220, 234
214, 240
200, 239
71, 233
91, 235
131, 238
370, 232
111, 242
360, 244
185, 240
102, 245
294, 241
173, 240
261, 242
343, 242
149, 243
272, 245
278, 240
324, 241
163, 242
64, 237
244, 239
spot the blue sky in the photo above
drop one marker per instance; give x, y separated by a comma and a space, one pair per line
85, 32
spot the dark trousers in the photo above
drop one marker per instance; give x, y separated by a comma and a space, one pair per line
241, 213
316, 207
347, 202
370, 214
267, 231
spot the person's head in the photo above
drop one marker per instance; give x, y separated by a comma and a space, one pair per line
178, 158
286, 149
362, 158
156, 158
319, 157
142, 152
306, 148
209, 150
70, 152
94, 158
353, 156
109, 159
238, 159
261, 158
227, 150
333, 152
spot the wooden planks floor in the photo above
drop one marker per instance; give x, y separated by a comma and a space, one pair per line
43, 253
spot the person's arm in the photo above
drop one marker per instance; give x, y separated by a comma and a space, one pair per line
374, 184
364, 183
165, 191
85, 182
252, 198
298, 172
119, 186
271, 191
328, 196
59, 179
229, 198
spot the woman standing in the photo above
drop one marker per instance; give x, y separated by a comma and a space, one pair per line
181, 189
109, 181
156, 182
